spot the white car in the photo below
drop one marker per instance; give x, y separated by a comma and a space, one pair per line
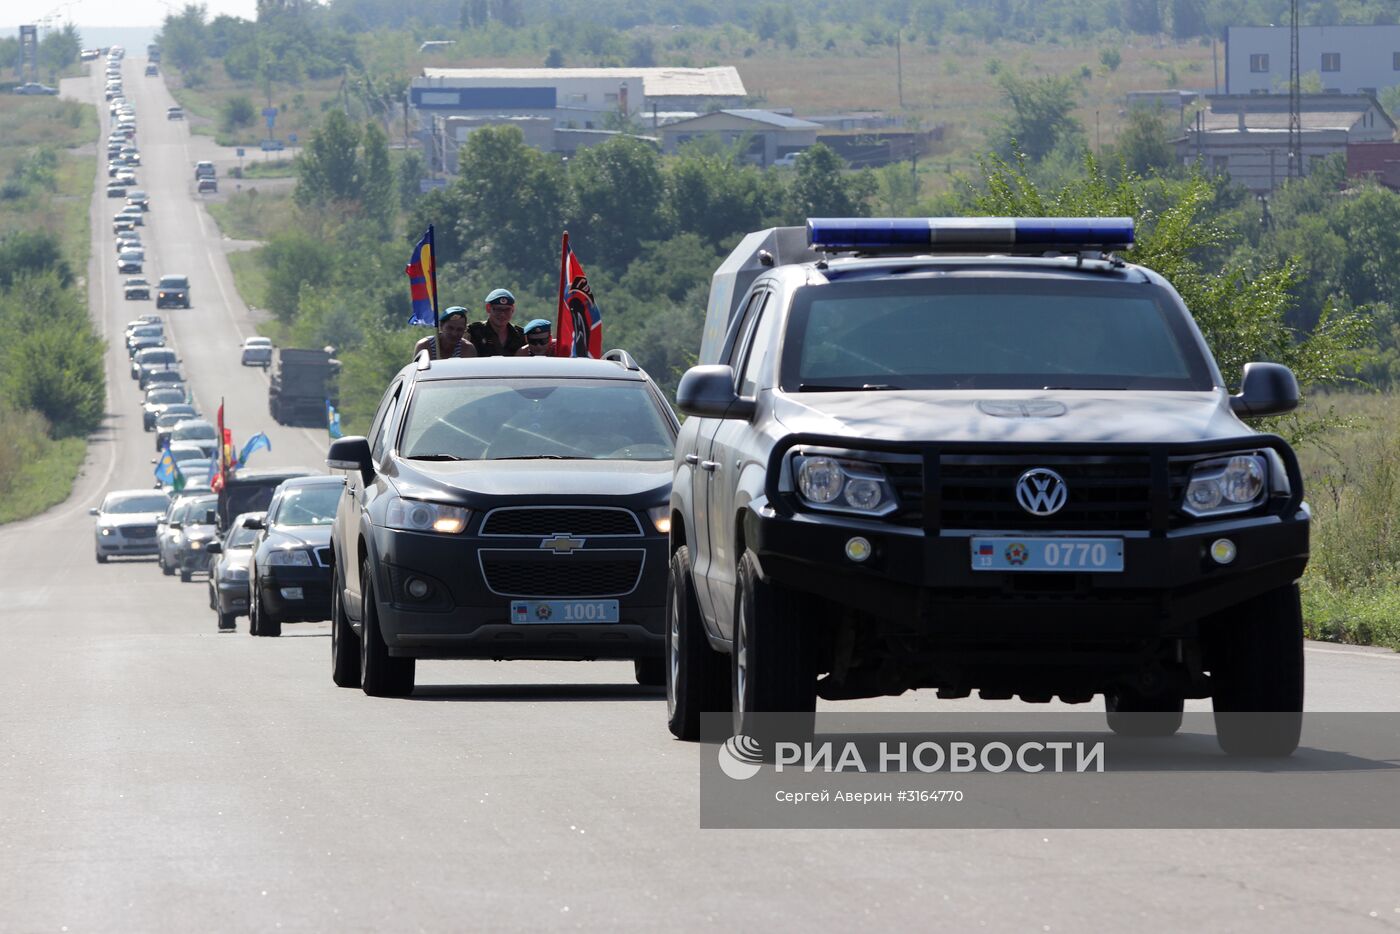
257, 351
126, 523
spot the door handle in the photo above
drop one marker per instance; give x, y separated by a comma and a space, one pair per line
692, 458
708, 465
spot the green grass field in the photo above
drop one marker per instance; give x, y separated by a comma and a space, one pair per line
48, 161
1351, 592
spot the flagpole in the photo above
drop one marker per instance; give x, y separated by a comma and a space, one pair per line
559, 310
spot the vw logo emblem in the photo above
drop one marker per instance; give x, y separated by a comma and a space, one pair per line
1041, 491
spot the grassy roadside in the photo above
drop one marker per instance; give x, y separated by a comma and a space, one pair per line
48, 162
1351, 592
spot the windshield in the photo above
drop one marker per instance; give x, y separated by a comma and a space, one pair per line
495, 419
163, 396
989, 333
136, 502
187, 454
308, 505
239, 537
203, 432
156, 357
173, 282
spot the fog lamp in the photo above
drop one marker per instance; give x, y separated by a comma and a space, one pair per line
417, 588
858, 549
1223, 550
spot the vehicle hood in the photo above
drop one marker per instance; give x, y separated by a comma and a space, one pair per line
298, 536
1096, 416
199, 532
468, 481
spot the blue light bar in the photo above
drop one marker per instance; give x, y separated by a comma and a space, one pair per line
969, 234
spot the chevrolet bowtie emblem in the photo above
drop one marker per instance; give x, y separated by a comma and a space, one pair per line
562, 544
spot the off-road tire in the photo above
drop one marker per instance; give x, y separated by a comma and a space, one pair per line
1255, 654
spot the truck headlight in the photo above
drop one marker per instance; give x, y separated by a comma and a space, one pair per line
417, 515
293, 557
1226, 485
841, 484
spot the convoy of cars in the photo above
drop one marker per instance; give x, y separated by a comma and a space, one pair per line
981, 455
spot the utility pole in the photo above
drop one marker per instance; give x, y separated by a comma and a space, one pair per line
899, 64
1295, 99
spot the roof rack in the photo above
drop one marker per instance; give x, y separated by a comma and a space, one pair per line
622, 357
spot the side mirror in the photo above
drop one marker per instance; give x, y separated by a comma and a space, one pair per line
708, 391
1267, 389
351, 453
176, 526
214, 548
92, 511
253, 522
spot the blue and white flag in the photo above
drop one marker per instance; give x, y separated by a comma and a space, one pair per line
333, 421
258, 441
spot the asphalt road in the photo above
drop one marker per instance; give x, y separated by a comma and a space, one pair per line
158, 776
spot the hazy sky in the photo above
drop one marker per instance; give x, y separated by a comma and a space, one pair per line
118, 13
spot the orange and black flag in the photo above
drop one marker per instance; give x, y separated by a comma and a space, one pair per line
422, 281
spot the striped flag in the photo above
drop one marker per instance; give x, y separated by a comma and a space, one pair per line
422, 281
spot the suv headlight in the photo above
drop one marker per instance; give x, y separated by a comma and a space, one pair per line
293, 557
843, 485
417, 515
1226, 485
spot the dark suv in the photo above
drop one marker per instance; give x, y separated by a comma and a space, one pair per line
173, 291
978, 455
503, 508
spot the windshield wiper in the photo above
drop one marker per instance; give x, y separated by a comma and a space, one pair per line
1089, 388
434, 457
826, 387
539, 457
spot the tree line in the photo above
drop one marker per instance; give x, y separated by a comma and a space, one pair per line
649, 229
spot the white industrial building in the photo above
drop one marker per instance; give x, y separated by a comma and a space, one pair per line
1348, 59
572, 98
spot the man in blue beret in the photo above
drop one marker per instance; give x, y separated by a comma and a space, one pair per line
496, 336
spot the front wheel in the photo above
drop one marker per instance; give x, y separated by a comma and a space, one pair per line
771, 666
697, 678
1255, 653
101, 558
184, 576
381, 674
261, 622
345, 645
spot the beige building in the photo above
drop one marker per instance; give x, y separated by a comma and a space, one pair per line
769, 135
1246, 135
